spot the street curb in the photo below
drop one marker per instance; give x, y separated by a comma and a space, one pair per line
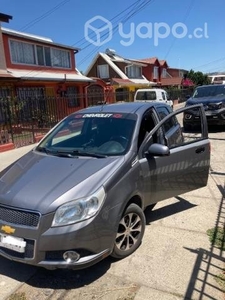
7, 147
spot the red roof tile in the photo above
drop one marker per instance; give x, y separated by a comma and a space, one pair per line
176, 81
150, 60
163, 62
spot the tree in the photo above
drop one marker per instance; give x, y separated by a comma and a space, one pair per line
198, 78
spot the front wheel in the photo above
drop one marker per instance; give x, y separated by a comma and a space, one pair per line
130, 231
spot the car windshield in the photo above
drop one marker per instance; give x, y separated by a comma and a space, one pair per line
209, 91
94, 134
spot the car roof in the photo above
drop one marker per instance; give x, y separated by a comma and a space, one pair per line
150, 90
124, 107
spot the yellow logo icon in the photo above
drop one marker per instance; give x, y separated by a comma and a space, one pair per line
7, 229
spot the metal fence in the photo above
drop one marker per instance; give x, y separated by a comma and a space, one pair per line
24, 121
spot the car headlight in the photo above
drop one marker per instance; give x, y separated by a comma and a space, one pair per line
79, 210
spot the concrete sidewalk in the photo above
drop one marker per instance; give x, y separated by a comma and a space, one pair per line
175, 260
8, 157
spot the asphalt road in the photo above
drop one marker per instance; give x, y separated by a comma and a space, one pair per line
175, 261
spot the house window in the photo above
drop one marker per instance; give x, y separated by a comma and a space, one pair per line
22, 53
134, 72
60, 58
40, 56
25, 53
164, 73
47, 53
103, 71
156, 73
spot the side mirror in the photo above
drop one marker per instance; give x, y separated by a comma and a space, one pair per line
158, 150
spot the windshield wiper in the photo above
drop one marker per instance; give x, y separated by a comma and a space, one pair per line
85, 153
70, 154
54, 152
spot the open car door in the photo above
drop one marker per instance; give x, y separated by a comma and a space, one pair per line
177, 161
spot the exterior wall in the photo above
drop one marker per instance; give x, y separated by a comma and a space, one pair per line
2, 56
94, 73
173, 72
9, 64
122, 66
176, 72
52, 89
162, 67
148, 72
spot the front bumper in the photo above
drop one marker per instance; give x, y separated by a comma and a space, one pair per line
45, 245
214, 117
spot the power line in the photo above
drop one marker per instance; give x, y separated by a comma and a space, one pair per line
122, 20
184, 19
212, 62
134, 8
45, 15
134, 5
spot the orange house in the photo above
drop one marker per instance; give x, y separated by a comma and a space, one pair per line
36, 67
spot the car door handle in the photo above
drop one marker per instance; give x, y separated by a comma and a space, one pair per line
200, 150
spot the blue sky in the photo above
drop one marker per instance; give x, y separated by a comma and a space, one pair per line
163, 28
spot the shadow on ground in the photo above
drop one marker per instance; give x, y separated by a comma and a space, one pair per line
166, 211
209, 264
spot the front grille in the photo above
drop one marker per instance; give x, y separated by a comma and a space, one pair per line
29, 251
19, 217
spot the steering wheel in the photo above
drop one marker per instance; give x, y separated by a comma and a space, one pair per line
111, 147
120, 139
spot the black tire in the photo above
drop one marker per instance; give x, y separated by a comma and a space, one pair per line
130, 232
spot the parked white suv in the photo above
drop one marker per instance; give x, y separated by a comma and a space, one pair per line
148, 95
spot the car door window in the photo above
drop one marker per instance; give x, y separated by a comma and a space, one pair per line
163, 112
171, 132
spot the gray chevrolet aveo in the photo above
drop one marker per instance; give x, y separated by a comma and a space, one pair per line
80, 194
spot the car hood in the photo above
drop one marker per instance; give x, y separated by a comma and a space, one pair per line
206, 100
37, 181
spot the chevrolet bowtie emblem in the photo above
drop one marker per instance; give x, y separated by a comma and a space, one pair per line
7, 229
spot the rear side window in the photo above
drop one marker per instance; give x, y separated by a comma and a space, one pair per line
146, 95
163, 112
